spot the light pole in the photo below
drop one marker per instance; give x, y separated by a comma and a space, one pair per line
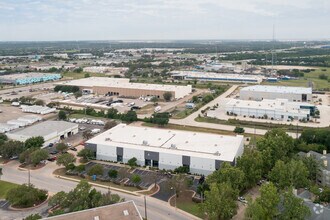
145, 208
174, 196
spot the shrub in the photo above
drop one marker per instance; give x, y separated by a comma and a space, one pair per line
25, 196
95, 170
132, 162
182, 169
113, 173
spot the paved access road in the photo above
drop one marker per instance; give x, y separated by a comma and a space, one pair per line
44, 179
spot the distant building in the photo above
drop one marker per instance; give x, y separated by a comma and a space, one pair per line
209, 76
83, 56
119, 211
122, 87
202, 153
278, 109
28, 78
260, 92
61, 55
324, 159
51, 131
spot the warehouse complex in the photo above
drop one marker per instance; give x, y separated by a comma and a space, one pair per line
278, 109
51, 131
167, 149
210, 76
122, 87
28, 78
293, 94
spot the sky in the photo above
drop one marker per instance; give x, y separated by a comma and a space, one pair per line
61, 20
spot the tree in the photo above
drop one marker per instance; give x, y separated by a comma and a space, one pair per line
33, 217
239, 130
39, 102
160, 119
130, 116
275, 145
228, 174
113, 173
61, 147
38, 155
207, 98
34, 142
97, 169
86, 154
266, 206
62, 115
65, 160
220, 202
112, 113
135, 178
109, 124
11, 148
179, 183
251, 165
87, 134
313, 166
87, 75
293, 173
132, 162
25, 196
167, 96
293, 207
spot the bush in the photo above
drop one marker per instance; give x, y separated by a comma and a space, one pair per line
113, 173
70, 166
95, 170
239, 130
167, 96
25, 196
132, 162
135, 178
80, 168
182, 169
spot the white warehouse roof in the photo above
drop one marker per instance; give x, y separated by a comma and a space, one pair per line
195, 144
45, 128
278, 89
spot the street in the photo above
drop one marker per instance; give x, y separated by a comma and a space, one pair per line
44, 179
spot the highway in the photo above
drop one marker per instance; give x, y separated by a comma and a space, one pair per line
44, 179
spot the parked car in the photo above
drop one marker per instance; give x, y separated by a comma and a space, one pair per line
50, 145
135, 108
54, 152
52, 159
14, 158
73, 148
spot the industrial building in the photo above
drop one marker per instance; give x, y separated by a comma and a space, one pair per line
83, 55
37, 109
260, 92
202, 153
278, 109
119, 211
20, 122
51, 131
122, 87
211, 76
28, 78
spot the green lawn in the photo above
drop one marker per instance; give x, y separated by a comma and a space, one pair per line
75, 75
311, 76
191, 207
5, 187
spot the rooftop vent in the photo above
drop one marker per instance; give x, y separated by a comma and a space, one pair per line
217, 153
145, 142
173, 146
134, 135
126, 212
186, 142
107, 139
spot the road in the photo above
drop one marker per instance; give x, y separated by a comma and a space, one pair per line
190, 120
44, 179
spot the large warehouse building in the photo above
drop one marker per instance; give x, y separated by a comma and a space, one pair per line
278, 109
51, 131
28, 78
167, 149
293, 94
209, 76
122, 87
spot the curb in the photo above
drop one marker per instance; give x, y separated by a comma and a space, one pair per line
99, 185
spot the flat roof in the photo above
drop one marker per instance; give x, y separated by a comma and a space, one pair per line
270, 104
17, 76
196, 144
213, 75
118, 83
279, 89
119, 211
45, 128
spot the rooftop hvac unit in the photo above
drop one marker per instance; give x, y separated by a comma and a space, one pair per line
107, 139
145, 142
217, 153
173, 146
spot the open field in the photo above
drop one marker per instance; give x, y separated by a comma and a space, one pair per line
311, 76
5, 187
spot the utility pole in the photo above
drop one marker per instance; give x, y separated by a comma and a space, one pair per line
29, 177
145, 208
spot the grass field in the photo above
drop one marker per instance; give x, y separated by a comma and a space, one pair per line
5, 187
81, 75
311, 76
